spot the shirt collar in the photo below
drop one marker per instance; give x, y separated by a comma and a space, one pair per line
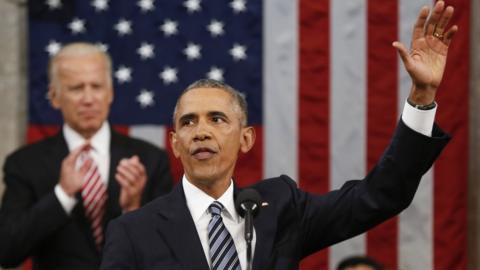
198, 201
100, 141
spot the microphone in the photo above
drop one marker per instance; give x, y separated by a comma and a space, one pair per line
248, 206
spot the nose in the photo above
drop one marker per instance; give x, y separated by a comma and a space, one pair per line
202, 132
88, 95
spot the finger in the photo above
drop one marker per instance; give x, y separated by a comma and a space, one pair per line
124, 184
127, 185
418, 28
135, 158
434, 17
86, 166
449, 35
128, 169
126, 174
404, 54
133, 165
136, 165
444, 20
72, 157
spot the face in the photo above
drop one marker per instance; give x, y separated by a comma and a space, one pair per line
82, 92
208, 135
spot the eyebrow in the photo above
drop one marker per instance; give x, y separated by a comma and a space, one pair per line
190, 116
187, 116
217, 113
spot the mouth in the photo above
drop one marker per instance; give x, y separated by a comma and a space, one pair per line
203, 153
89, 114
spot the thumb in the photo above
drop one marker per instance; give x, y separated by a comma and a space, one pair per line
404, 54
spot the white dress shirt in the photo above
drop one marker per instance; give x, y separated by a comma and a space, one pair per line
100, 153
198, 203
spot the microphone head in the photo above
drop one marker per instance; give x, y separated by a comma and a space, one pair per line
248, 199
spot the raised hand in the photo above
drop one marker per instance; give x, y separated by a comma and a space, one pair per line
425, 62
132, 178
71, 178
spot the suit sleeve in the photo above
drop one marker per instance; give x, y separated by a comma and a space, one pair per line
25, 221
118, 250
362, 204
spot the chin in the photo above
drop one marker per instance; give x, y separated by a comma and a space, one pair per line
205, 177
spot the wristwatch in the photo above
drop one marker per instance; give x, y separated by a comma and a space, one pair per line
422, 107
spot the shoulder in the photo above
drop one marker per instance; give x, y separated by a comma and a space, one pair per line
281, 188
34, 150
147, 152
280, 182
135, 144
132, 142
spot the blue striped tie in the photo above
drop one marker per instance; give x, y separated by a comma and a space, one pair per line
223, 254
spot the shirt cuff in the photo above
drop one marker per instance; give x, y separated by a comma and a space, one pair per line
66, 201
420, 121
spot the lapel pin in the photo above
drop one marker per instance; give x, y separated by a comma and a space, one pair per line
264, 204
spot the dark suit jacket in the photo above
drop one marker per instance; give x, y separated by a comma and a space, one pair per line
162, 234
32, 220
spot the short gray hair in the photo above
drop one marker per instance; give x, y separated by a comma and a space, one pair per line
238, 97
77, 49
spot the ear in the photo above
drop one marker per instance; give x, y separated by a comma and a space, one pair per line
248, 139
111, 96
174, 143
53, 97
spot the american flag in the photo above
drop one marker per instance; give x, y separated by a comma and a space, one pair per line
324, 86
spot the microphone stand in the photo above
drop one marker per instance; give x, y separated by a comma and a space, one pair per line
248, 234
247, 205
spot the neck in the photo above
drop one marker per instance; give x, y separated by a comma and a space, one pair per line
87, 135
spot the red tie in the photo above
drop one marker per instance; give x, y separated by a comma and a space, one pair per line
94, 194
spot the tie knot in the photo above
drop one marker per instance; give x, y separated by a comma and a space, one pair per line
215, 208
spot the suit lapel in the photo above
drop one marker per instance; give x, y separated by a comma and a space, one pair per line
59, 151
176, 226
265, 225
117, 152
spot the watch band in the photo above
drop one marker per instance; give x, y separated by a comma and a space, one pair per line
422, 107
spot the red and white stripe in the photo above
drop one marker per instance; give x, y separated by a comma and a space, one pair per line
94, 195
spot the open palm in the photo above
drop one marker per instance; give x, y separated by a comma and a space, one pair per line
425, 62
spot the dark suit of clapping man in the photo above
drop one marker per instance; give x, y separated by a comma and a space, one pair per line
61, 192
175, 231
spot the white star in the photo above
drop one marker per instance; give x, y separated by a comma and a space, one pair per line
123, 74
102, 46
215, 28
215, 74
77, 26
169, 75
123, 27
53, 47
192, 51
238, 6
54, 4
146, 98
238, 52
169, 27
100, 5
192, 5
146, 51
146, 5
